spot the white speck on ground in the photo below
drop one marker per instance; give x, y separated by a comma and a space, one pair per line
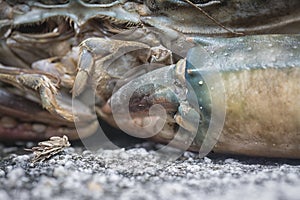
137, 173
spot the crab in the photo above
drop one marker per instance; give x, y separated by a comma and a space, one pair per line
188, 73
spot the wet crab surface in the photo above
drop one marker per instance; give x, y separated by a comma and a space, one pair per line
52, 52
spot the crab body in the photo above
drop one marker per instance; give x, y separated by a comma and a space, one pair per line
250, 48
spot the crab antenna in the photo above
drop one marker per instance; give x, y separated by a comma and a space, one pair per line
213, 19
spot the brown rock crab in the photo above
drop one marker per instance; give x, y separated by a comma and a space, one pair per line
227, 71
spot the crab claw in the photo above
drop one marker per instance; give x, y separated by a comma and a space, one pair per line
154, 106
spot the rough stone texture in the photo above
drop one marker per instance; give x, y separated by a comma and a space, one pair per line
137, 173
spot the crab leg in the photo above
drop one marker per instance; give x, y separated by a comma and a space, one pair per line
17, 106
26, 120
41, 84
96, 57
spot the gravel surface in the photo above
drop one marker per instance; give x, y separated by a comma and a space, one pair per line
138, 173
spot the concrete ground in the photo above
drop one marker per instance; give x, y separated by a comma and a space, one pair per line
138, 173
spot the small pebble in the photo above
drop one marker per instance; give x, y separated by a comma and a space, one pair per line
59, 171
4, 195
14, 176
207, 160
69, 164
94, 187
2, 173
21, 159
229, 160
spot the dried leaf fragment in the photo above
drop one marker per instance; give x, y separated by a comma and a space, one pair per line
48, 148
